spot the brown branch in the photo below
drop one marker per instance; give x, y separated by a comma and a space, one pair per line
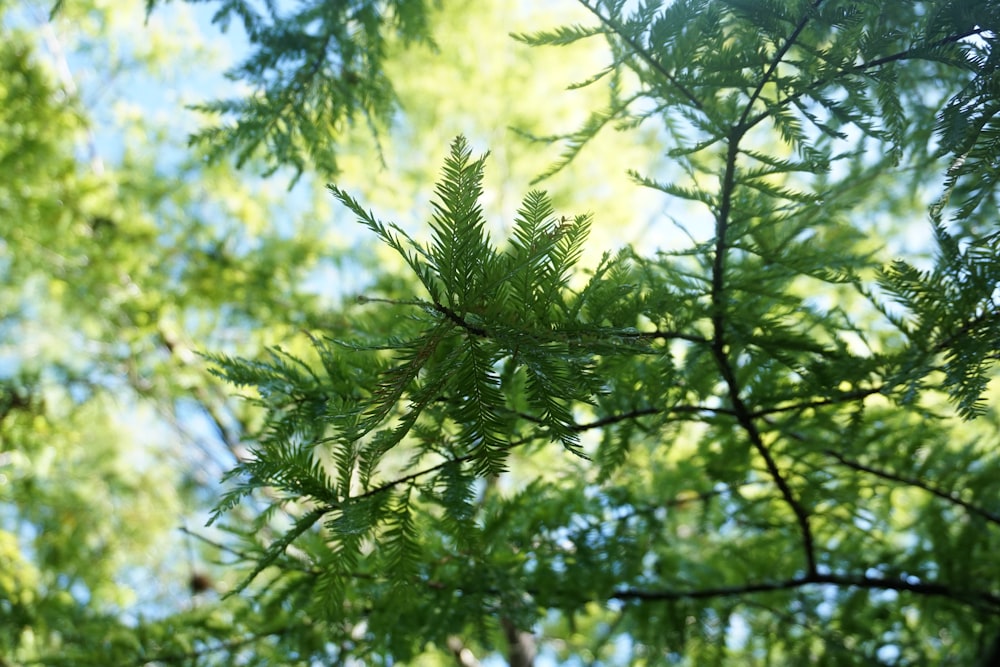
187, 657
463, 656
930, 589
521, 644
775, 62
978, 598
663, 335
699, 409
986, 317
920, 484
642, 412
213, 410
241, 555
68, 84
211, 406
459, 320
915, 52
604, 421
818, 403
745, 419
720, 346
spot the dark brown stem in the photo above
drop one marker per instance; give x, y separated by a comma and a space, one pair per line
913, 481
720, 351
932, 589
459, 320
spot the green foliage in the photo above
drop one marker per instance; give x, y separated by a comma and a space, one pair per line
314, 72
954, 308
752, 436
766, 436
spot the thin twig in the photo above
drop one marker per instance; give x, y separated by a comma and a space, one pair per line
920, 484
775, 62
818, 403
930, 589
643, 53
861, 68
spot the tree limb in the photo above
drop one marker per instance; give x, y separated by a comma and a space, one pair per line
920, 484
931, 589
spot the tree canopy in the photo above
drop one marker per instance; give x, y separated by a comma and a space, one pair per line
453, 428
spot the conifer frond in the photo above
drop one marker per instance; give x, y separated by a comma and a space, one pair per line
456, 494
461, 252
594, 78
560, 36
972, 175
533, 237
553, 382
575, 142
483, 428
955, 314
395, 381
777, 192
277, 548
682, 192
893, 117
400, 543
811, 163
396, 238
311, 69
568, 249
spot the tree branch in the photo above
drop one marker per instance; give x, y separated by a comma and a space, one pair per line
68, 83
861, 68
930, 589
645, 55
521, 644
920, 484
642, 412
460, 321
818, 403
598, 423
774, 64
720, 345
